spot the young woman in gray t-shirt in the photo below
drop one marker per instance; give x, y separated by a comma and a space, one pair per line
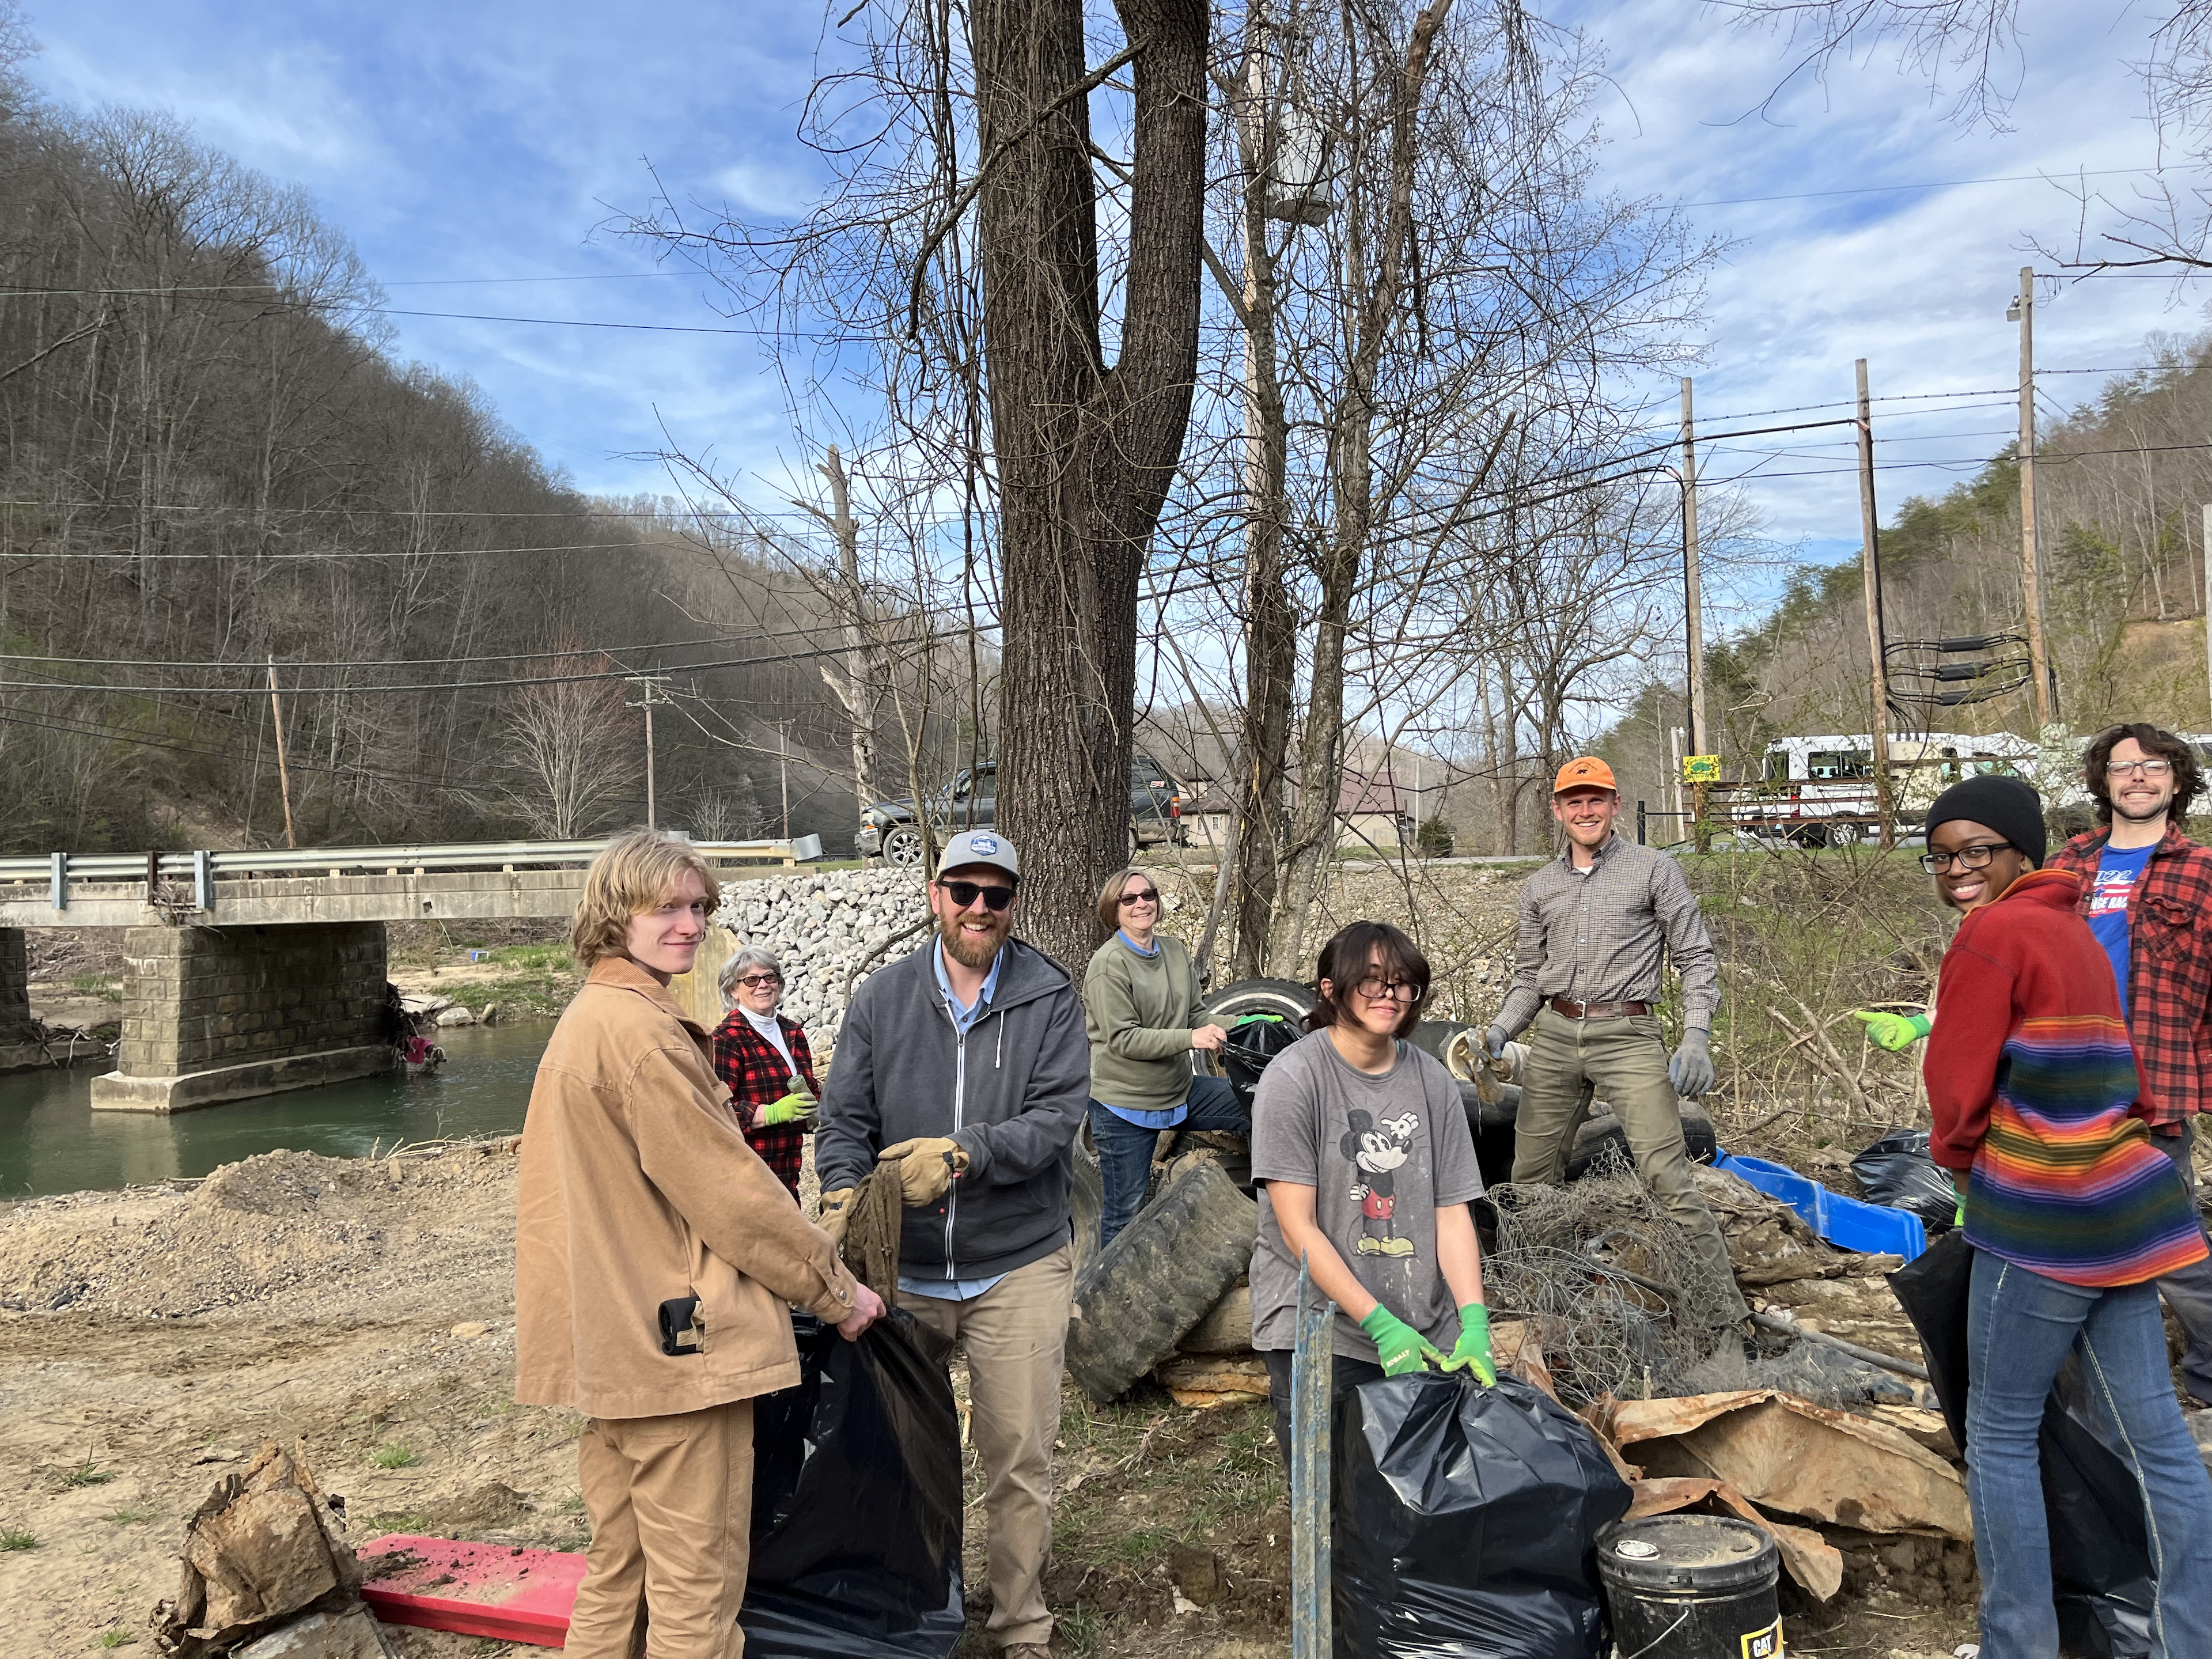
1365, 1166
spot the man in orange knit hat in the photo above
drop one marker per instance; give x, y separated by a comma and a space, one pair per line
1597, 924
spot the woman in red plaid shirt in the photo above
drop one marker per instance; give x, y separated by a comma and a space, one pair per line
765, 1059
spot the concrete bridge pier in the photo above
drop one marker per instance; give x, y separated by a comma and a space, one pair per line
211, 1014
20, 1047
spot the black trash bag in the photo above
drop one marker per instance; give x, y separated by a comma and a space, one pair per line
1896, 1170
2100, 1567
1252, 1042
856, 1502
1465, 1521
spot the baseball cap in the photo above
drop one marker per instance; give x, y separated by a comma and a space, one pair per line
979, 847
1585, 772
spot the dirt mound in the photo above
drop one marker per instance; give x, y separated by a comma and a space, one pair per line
318, 1233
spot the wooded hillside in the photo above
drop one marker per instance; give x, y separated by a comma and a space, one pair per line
211, 460
2122, 480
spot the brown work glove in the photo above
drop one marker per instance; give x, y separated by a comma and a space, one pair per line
927, 1165
836, 1214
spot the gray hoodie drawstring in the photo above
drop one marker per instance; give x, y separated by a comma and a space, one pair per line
999, 1064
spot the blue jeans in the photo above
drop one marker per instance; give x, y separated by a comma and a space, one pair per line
2020, 1328
1125, 1149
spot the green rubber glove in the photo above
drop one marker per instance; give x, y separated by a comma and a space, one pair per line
792, 1108
1402, 1346
1472, 1351
1894, 1031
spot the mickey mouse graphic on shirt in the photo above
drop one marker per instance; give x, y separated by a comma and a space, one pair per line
1377, 1151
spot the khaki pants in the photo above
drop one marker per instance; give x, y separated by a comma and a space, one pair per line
670, 1500
1625, 1059
1014, 1334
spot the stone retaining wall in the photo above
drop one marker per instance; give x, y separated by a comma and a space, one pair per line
820, 926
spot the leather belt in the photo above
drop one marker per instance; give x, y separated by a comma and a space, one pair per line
1574, 1009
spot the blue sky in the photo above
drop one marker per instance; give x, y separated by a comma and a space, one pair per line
459, 143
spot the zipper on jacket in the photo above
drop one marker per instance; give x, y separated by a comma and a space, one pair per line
959, 1106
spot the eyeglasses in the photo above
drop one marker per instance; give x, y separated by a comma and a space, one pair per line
965, 893
1391, 990
759, 982
1148, 895
2153, 769
1966, 857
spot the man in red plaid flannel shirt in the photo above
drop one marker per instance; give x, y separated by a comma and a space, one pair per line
2146, 894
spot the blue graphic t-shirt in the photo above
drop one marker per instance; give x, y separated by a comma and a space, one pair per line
2110, 892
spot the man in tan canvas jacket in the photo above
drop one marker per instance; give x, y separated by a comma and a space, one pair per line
637, 1189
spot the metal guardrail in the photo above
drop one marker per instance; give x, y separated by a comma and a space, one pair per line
203, 869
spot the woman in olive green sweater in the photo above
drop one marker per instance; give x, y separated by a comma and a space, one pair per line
1140, 1002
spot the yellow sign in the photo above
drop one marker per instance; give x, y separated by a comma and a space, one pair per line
1701, 768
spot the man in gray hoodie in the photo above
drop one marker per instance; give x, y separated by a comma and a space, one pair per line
964, 1067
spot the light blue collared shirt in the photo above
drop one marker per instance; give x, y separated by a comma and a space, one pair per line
963, 1016
964, 1019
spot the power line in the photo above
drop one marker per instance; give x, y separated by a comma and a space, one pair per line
1934, 184
8, 656
280, 297
344, 553
483, 685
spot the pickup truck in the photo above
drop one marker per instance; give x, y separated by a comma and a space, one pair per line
890, 830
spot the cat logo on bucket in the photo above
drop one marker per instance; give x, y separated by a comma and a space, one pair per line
1764, 1643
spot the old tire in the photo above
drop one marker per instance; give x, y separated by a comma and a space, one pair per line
1086, 1202
1601, 1141
1286, 997
1163, 1273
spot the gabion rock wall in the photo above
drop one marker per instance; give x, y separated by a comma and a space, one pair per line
820, 926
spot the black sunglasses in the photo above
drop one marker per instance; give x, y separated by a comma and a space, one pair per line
1148, 895
964, 893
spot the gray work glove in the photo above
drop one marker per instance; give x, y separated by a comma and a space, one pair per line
1692, 1069
1494, 1040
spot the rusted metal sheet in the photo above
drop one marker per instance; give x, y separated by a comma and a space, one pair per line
1789, 1453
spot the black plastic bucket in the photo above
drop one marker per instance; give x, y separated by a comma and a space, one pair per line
1691, 1587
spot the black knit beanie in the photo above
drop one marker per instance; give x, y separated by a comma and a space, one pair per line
2006, 804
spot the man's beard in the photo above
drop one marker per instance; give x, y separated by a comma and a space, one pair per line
965, 948
2120, 810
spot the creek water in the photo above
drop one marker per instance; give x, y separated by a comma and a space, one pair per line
52, 1141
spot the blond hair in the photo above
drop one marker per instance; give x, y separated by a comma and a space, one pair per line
1109, 896
636, 871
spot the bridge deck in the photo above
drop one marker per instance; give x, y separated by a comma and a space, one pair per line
393, 884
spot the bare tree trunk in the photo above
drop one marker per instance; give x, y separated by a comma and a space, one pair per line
1374, 305
1270, 622
857, 681
1085, 453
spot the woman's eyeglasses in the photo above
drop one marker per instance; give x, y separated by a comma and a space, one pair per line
1148, 895
760, 981
1966, 857
965, 893
1390, 990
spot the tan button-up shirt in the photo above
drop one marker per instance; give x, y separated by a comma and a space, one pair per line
1602, 934
637, 1188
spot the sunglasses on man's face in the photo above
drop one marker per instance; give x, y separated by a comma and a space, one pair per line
965, 893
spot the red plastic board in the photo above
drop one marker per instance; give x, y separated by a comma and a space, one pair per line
476, 1589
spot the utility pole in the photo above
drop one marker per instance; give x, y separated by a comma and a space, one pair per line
783, 770
650, 687
1693, 610
2023, 310
1869, 557
283, 771
2208, 591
